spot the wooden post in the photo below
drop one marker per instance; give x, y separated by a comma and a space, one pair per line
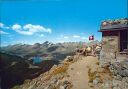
127, 42
127, 39
118, 41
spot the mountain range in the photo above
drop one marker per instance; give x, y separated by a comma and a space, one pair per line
15, 66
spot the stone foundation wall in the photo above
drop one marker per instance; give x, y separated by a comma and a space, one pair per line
109, 49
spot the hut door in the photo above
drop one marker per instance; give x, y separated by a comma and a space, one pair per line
123, 40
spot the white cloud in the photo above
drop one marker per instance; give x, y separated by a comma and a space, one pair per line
76, 36
1, 25
16, 27
30, 29
84, 38
42, 35
35, 28
66, 37
62, 36
2, 32
19, 29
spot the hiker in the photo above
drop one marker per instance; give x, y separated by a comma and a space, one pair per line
97, 50
76, 50
84, 52
88, 50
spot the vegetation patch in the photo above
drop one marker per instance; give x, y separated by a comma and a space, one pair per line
97, 63
102, 74
92, 75
58, 70
16, 87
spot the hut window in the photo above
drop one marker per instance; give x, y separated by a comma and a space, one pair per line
123, 40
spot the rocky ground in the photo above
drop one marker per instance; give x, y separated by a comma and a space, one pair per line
76, 72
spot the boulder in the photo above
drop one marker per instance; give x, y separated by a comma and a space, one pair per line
69, 59
120, 68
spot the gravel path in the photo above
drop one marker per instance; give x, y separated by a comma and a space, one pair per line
78, 72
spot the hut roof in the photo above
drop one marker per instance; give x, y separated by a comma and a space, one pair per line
112, 25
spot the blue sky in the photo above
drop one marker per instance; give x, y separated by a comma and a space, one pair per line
32, 21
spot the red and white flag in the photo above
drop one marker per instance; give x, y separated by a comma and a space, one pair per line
91, 37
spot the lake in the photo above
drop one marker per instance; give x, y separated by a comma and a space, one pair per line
37, 59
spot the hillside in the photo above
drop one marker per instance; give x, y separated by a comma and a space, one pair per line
15, 70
